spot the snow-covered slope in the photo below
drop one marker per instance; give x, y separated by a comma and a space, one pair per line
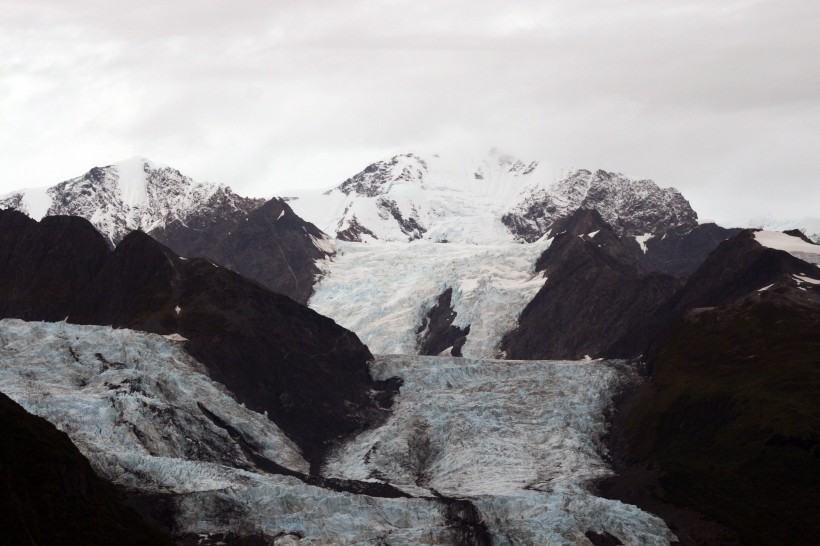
382, 291
132, 194
488, 200
809, 226
147, 418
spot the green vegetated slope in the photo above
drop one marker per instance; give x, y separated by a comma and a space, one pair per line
732, 419
50, 495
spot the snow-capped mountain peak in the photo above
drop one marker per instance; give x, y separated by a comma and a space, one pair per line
133, 179
380, 177
490, 199
134, 193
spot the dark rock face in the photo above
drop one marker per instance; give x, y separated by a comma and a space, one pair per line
437, 332
49, 493
679, 254
598, 298
204, 228
408, 226
603, 539
354, 232
269, 244
377, 178
731, 417
276, 356
736, 268
44, 266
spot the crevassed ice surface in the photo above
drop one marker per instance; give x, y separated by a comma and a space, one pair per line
479, 430
128, 400
119, 393
521, 439
382, 291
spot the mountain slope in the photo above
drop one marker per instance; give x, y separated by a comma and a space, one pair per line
264, 241
680, 253
731, 416
632, 207
277, 248
597, 299
271, 352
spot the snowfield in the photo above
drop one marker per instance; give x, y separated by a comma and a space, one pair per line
795, 246
382, 291
519, 440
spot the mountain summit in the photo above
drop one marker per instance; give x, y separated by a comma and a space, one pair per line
132, 194
492, 199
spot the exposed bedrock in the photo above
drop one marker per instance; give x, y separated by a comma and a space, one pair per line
437, 333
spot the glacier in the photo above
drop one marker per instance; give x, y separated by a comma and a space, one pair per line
519, 441
382, 291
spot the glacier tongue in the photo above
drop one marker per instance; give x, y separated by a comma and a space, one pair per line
521, 439
382, 291
516, 441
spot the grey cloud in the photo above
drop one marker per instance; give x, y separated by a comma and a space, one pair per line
719, 99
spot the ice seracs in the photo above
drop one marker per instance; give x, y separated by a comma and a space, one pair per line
521, 440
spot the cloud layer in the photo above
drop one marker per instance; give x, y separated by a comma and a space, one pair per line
721, 100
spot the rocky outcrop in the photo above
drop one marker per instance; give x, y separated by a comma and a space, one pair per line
437, 333
49, 493
275, 355
270, 244
377, 178
598, 298
354, 232
631, 207
679, 253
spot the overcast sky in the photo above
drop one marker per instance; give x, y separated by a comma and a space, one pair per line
720, 99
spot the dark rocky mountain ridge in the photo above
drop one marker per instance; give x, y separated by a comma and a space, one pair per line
680, 252
269, 244
597, 300
262, 240
728, 425
272, 353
